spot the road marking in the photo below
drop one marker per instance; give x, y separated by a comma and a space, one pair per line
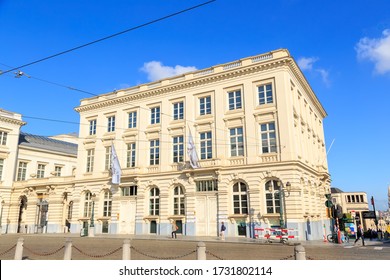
348, 247
378, 248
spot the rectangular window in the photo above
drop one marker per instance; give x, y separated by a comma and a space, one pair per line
236, 142
155, 115
41, 171
107, 163
205, 105
265, 94
92, 127
235, 101
206, 186
154, 152
132, 119
22, 170
129, 191
178, 149
178, 110
57, 171
1, 168
111, 124
3, 138
206, 150
90, 159
268, 137
130, 162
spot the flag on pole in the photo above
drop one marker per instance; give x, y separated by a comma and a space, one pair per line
372, 201
191, 151
115, 167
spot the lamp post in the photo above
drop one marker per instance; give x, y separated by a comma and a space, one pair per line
91, 232
283, 212
1, 217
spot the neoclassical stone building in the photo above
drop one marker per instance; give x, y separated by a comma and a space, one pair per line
36, 174
257, 128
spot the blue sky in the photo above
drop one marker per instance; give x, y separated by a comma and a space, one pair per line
343, 48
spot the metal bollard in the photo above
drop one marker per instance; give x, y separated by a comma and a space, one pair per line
126, 253
19, 249
299, 252
201, 251
68, 249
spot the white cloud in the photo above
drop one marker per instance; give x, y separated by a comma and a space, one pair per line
376, 50
157, 71
307, 64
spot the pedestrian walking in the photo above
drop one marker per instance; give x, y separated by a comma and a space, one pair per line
174, 229
359, 234
222, 232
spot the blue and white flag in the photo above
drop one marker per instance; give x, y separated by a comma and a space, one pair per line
115, 167
191, 151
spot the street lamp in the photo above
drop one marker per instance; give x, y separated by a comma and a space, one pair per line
1, 217
283, 209
92, 224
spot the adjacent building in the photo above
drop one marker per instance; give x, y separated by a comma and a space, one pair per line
36, 173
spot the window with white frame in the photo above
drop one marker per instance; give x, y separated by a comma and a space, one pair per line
57, 171
272, 196
236, 142
154, 152
178, 201
3, 138
205, 105
129, 191
1, 168
130, 161
132, 119
22, 171
92, 127
107, 162
268, 138
111, 124
87, 204
41, 170
235, 100
90, 160
265, 94
154, 202
240, 198
178, 148
107, 204
178, 110
155, 115
206, 149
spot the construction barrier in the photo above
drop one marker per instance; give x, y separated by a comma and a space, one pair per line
275, 234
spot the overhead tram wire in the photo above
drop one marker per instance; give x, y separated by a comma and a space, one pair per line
107, 37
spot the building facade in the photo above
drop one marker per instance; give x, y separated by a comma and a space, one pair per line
36, 174
256, 127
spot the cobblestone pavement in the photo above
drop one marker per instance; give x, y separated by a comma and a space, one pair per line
109, 247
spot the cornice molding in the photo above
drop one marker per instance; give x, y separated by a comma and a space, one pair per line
12, 121
195, 82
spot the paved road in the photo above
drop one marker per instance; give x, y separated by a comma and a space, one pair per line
107, 247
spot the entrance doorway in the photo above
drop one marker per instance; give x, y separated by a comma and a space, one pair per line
206, 216
41, 219
153, 227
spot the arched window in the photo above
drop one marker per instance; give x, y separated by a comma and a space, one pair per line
272, 196
154, 202
107, 204
178, 201
87, 204
240, 198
